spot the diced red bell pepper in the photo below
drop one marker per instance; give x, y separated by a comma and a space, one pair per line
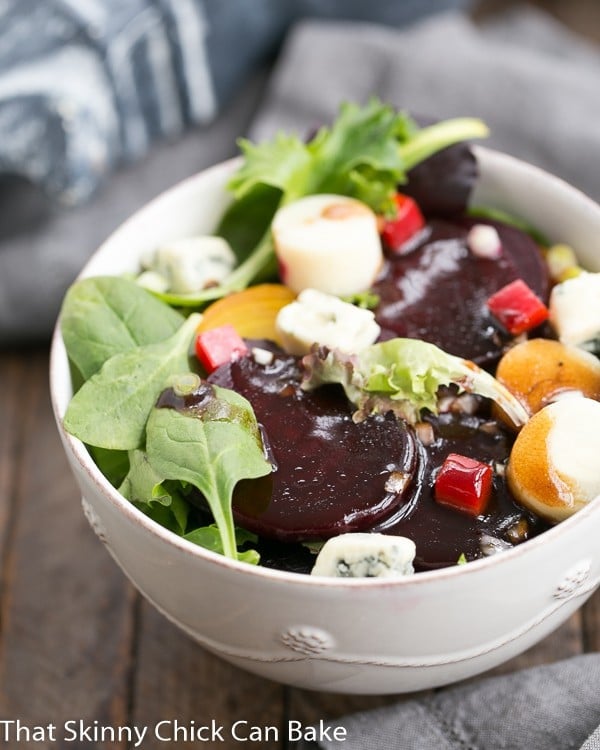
219, 345
407, 222
464, 484
517, 307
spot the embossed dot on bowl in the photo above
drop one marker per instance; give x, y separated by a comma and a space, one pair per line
573, 580
94, 521
307, 640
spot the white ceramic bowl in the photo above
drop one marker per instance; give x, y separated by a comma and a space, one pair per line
354, 636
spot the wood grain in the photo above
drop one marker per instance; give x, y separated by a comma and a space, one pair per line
67, 610
564, 642
177, 679
13, 382
581, 16
590, 615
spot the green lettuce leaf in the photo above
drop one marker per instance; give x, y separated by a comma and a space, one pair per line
165, 502
113, 464
212, 446
111, 408
107, 315
162, 501
362, 143
209, 537
403, 376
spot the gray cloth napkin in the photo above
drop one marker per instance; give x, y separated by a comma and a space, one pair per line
553, 707
85, 85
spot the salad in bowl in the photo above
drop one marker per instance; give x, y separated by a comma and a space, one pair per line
364, 360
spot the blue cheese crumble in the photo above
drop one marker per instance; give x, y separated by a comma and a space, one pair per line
575, 311
365, 556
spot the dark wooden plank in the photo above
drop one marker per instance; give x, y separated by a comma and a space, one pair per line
12, 377
591, 623
67, 609
563, 643
177, 679
581, 16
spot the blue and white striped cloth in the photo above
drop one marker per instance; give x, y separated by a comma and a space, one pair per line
88, 84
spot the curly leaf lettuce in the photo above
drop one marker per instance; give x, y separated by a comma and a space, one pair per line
365, 154
403, 376
362, 143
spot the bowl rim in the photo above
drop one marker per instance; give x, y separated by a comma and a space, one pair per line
135, 516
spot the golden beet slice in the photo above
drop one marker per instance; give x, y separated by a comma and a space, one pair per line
539, 371
553, 465
251, 312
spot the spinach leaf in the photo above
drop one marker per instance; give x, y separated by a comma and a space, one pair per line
165, 502
167, 516
209, 537
246, 220
211, 445
106, 315
145, 488
113, 464
110, 409
141, 478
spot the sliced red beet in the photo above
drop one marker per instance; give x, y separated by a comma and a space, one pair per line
332, 475
439, 291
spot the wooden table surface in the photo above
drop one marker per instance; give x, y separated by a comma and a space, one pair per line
76, 640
